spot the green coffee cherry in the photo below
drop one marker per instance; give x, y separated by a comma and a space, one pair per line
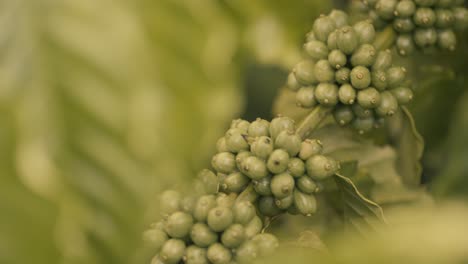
278, 161
243, 212
195, 255
172, 251
284, 203
368, 98
170, 202
262, 186
343, 115
289, 141
233, 236
386, 8
403, 95
447, 40
292, 83
337, 59
347, 40
296, 167
323, 71
377, 21
339, 17
306, 204
360, 77
253, 227
320, 167
395, 76
266, 243
444, 18
326, 94
304, 72
310, 147
235, 182
332, 40
155, 238
224, 162
405, 8
363, 125
221, 145
403, 25
218, 254
305, 97
383, 60
364, 55
248, 195
461, 18
202, 235
360, 111
254, 168
405, 45
267, 206
208, 180
236, 140
316, 49
188, 204
379, 79
279, 124
240, 158
425, 37
388, 105
306, 185
242, 125
226, 200
342, 75
365, 32
346, 94
259, 127
220, 218
322, 27
204, 204
262, 147
247, 252
424, 17
282, 185
178, 224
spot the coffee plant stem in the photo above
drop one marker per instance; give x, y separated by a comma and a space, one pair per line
385, 39
311, 121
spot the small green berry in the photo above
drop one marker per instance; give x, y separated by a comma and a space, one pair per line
306, 185
259, 127
253, 227
388, 105
360, 77
218, 254
424, 17
360, 111
306, 204
322, 27
247, 252
347, 40
262, 186
346, 94
188, 204
243, 212
310, 147
209, 181
405, 44
305, 97
326, 94
292, 82
267, 206
395, 76
383, 60
425, 37
364, 55
323, 71
339, 17
221, 145
320, 167
278, 161
225, 200
220, 218
195, 255
284, 203
368, 98
342, 75
204, 204
224, 162
155, 238
403, 95
254, 168
343, 115
242, 125
282, 185
233, 236
405, 8
444, 18
403, 25
289, 141
317, 50
172, 251
236, 140
202, 235
365, 31
337, 59
296, 167
386, 8
262, 147
240, 158
363, 125
332, 40
379, 79
235, 182
304, 72
279, 124
170, 202
447, 40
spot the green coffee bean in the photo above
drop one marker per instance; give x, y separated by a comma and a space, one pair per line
247, 252
461, 18
405, 45
248, 195
221, 145
326, 94
316, 49
383, 60
363, 125
322, 27
306, 204
403, 95
347, 40
170, 202
369, 98
339, 17
254, 168
202, 235
332, 40
266, 243
220, 218
172, 251
242, 125
240, 158
360, 77
425, 37
360, 111
379, 79
310, 147
233, 236
267, 206
395, 76
262, 186
236, 140
320, 167
365, 31
178, 224
259, 127
323, 71
296, 167
284, 203
444, 18
342, 75
447, 40
386, 8
403, 25
195, 255
424, 17
346, 94
262, 147
188, 204
219, 254
235, 182
306, 185
243, 212
204, 204
388, 105
337, 59
279, 124
289, 141
253, 227
225, 200
155, 238
224, 162
292, 83
208, 180
278, 161
343, 115
282, 185
305, 97
405, 8
364, 55
304, 72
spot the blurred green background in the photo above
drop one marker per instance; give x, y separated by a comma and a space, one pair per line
105, 103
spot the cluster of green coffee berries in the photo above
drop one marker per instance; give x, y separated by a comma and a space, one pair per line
269, 164
420, 24
212, 228
345, 71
